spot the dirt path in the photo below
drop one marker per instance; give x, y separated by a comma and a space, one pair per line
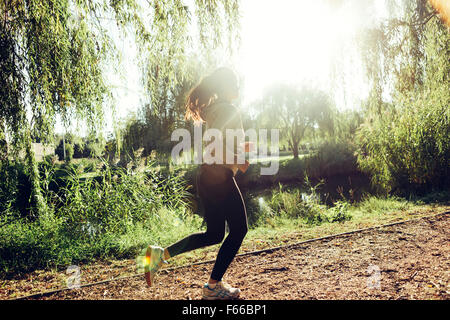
405, 261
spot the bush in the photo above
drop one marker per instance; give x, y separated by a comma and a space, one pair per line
78, 150
295, 204
15, 189
69, 152
114, 214
405, 144
339, 212
407, 150
332, 158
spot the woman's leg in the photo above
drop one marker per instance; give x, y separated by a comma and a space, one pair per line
215, 231
236, 217
215, 222
213, 186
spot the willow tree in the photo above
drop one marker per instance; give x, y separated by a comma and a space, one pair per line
405, 140
295, 111
173, 66
53, 53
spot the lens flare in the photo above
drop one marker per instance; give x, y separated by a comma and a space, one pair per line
443, 7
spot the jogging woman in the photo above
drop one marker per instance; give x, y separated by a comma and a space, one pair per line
211, 102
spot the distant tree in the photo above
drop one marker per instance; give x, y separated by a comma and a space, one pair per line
296, 110
346, 124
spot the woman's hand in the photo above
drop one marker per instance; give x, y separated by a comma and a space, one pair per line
248, 146
244, 167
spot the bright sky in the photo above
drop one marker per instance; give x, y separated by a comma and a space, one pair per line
294, 41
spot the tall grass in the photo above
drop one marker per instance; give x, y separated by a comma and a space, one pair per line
296, 204
407, 150
114, 214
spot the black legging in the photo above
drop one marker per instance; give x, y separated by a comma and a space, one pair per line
222, 201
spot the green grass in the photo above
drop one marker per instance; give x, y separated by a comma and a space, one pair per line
50, 242
370, 212
114, 214
117, 214
280, 229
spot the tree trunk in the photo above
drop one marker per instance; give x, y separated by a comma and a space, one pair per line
295, 149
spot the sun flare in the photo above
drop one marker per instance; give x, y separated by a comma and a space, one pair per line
293, 41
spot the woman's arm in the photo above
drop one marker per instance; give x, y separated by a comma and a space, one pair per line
232, 120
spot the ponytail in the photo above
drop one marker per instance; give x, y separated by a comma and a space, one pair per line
207, 92
200, 97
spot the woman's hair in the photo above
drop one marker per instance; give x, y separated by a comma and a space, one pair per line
210, 88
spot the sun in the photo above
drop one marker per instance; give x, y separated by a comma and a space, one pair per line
291, 41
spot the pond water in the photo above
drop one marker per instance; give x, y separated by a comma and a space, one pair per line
331, 189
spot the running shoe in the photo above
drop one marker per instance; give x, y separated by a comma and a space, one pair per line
222, 291
154, 258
